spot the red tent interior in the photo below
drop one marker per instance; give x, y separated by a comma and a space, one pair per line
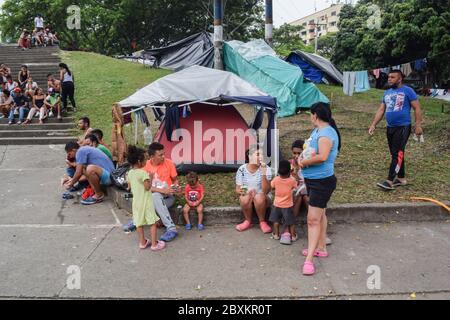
212, 147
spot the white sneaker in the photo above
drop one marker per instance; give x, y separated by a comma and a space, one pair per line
50, 114
37, 115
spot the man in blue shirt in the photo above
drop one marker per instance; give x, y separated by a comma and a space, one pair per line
397, 103
92, 163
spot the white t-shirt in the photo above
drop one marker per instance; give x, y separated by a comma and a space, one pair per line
11, 86
39, 22
253, 181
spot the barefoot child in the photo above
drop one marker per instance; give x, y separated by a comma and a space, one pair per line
282, 211
193, 194
143, 210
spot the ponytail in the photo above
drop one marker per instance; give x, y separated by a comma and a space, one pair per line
65, 66
323, 112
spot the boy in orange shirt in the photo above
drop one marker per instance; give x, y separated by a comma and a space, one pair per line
282, 211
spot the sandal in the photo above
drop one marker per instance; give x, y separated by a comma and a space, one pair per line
285, 238
244, 226
317, 253
147, 244
275, 236
398, 183
91, 200
161, 245
265, 228
308, 268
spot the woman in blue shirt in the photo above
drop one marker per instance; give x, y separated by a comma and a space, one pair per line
317, 164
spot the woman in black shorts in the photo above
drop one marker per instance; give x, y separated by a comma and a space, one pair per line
317, 164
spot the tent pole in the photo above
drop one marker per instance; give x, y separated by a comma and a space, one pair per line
276, 141
135, 129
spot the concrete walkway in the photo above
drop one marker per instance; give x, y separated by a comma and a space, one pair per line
42, 235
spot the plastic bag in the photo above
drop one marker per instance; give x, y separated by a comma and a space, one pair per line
119, 176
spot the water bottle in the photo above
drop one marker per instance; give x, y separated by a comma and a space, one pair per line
148, 136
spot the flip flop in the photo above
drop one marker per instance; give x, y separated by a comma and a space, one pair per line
243, 226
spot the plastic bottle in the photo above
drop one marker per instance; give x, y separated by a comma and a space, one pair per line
147, 136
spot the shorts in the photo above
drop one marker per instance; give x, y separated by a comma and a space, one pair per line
105, 179
284, 216
320, 191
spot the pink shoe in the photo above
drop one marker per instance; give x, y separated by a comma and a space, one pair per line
243, 226
161, 245
317, 253
308, 268
265, 228
147, 244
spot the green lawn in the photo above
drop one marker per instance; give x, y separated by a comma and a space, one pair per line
363, 160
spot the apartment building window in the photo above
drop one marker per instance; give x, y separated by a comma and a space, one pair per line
333, 24
311, 22
304, 24
333, 13
311, 30
303, 33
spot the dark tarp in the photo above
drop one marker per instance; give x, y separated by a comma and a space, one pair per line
316, 67
197, 49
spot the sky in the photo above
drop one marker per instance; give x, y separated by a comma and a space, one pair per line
285, 11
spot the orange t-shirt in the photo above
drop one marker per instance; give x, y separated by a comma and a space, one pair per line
165, 172
283, 191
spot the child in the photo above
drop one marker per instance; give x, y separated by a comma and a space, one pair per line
143, 210
193, 194
300, 193
283, 185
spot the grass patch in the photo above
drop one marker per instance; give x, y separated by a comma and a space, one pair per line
363, 160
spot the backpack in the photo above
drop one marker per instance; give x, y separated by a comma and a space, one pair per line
119, 176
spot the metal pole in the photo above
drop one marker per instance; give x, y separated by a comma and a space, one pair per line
316, 36
218, 35
269, 22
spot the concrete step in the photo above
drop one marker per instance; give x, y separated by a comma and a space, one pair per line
36, 140
34, 133
36, 126
49, 120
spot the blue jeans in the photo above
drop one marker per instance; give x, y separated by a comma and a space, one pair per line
23, 111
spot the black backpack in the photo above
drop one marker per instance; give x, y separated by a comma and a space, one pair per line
119, 176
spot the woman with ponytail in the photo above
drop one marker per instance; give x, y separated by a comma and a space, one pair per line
317, 164
67, 85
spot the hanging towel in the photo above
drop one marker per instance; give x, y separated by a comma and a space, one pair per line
349, 82
362, 81
398, 67
406, 69
376, 73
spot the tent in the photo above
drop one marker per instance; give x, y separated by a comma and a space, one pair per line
197, 49
257, 63
316, 68
201, 129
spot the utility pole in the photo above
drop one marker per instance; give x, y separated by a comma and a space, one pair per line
218, 34
269, 22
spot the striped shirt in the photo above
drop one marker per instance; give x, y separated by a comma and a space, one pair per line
253, 181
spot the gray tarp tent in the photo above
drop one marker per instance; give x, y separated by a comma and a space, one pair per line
316, 68
197, 49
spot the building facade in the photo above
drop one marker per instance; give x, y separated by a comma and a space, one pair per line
326, 21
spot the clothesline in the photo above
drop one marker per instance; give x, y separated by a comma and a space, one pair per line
392, 66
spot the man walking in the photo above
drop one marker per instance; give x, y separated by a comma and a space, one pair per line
397, 103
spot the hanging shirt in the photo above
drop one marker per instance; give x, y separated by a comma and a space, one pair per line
362, 81
420, 65
406, 69
349, 82
398, 106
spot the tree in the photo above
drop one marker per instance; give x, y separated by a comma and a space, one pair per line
409, 30
111, 26
287, 39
